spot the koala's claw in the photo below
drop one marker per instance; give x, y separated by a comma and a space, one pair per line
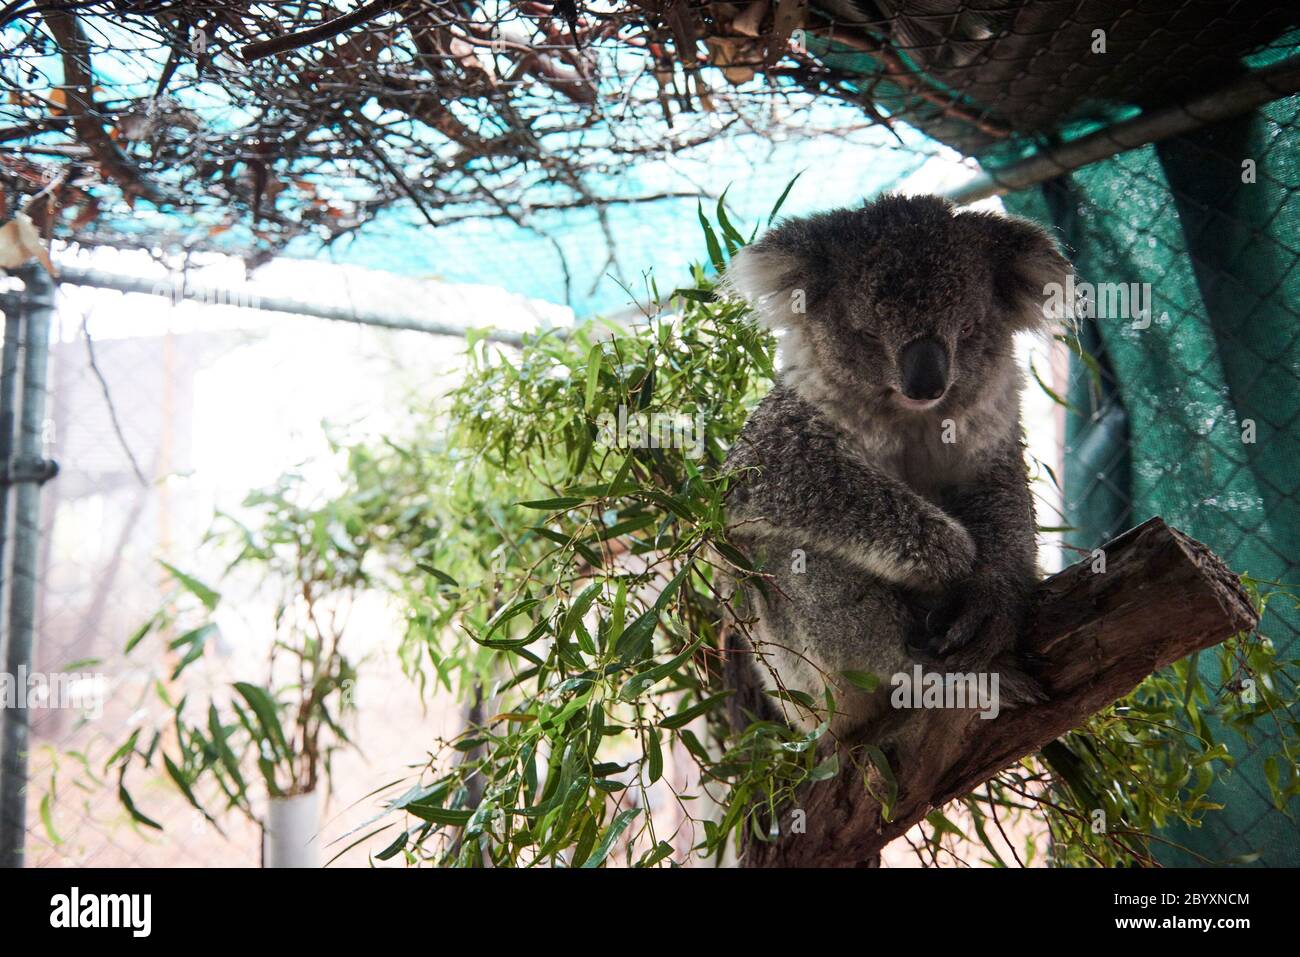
971, 628
1032, 661
974, 621
976, 631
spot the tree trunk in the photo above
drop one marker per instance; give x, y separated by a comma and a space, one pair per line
1096, 634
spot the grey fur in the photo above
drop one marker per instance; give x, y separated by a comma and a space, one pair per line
907, 538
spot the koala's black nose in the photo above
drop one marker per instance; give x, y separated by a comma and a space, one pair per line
924, 365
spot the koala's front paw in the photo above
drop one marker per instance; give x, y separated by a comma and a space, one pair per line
976, 629
980, 619
947, 551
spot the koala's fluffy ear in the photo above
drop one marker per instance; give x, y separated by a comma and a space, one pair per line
1029, 272
767, 275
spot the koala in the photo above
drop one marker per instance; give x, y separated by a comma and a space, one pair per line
881, 486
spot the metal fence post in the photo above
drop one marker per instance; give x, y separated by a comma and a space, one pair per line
26, 470
12, 306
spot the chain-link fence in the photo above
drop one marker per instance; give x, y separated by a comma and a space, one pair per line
1189, 404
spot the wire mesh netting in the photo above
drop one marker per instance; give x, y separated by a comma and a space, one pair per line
1191, 409
263, 127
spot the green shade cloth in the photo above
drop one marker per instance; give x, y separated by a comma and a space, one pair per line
1164, 428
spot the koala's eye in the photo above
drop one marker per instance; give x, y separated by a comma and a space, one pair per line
968, 327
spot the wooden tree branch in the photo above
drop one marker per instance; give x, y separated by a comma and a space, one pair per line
79, 88
1161, 597
323, 31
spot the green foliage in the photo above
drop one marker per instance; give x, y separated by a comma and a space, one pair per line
314, 554
587, 569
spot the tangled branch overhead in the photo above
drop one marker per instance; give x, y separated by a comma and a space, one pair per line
244, 126
249, 125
